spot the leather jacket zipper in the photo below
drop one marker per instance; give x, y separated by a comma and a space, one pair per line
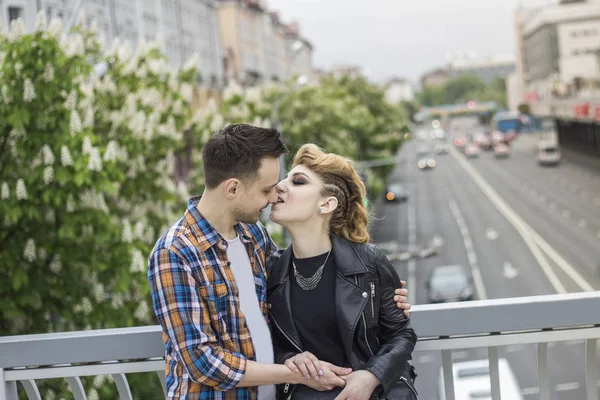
286, 388
403, 379
364, 320
372, 284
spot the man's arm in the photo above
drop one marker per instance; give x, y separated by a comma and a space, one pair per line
185, 318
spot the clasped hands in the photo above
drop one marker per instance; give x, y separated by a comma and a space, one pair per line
322, 376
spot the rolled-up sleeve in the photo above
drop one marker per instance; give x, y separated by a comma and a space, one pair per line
185, 318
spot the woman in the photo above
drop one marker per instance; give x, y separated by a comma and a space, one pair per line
331, 292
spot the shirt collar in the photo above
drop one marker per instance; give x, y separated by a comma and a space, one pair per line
207, 235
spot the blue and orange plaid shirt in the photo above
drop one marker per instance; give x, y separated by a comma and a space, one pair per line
195, 298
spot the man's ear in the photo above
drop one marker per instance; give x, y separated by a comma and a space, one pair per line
328, 205
231, 187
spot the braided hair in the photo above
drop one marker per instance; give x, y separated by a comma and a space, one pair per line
340, 179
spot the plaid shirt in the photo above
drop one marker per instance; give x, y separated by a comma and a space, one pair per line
195, 298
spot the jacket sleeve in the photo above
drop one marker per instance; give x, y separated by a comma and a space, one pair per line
398, 339
185, 319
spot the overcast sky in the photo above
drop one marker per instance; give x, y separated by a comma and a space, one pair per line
400, 37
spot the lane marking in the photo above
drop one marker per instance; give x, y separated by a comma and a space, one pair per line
530, 391
528, 234
562, 387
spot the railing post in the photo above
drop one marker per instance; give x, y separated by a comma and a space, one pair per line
448, 374
494, 372
591, 369
543, 371
8, 390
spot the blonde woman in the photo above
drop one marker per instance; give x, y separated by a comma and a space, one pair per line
331, 292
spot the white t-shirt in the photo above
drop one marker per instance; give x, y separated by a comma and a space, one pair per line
259, 330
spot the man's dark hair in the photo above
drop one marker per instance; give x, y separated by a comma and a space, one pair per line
237, 151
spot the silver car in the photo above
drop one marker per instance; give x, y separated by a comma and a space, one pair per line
449, 283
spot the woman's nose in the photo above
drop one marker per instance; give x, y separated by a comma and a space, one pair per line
280, 188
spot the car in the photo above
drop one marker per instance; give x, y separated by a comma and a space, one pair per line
501, 150
472, 381
482, 141
426, 163
441, 148
472, 151
460, 142
449, 283
548, 154
396, 192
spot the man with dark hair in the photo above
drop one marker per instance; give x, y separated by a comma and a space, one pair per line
208, 278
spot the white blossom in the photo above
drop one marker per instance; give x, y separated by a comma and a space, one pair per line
70, 203
49, 72
142, 312
98, 291
137, 124
18, 67
28, 91
178, 107
85, 306
40, 21
47, 155
73, 45
141, 72
192, 62
75, 123
138, 264
124, 52
130, 67
253, 95
111, 153
71, 101
89, 117
99, 381
187, 92
93, 200
29, 253
65, 156
17, 29
232, 90
173, 82
5, 191
156, 67
95, 161
48, 175
50, 395
139, 229
86, 147
127, 235
56, 264
21, 190
5, 96
211, 106
182, 190
217, 123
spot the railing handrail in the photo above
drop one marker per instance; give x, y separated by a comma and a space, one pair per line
429, 321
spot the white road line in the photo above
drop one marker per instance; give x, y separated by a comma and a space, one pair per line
411, 265
530, 391
553, 206
566, 213
464, 231
528, 233
562, 387
583, 223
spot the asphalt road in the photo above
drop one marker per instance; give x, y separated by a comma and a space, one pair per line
561, 204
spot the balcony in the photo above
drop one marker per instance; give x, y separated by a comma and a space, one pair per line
489, 324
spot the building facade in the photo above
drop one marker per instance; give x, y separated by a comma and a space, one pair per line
485, 69
436, 77
398, 89
186, 27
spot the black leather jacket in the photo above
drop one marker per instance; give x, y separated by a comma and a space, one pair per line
375, 333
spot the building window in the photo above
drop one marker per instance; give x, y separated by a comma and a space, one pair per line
14, 13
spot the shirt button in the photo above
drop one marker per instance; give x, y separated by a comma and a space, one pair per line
365, 295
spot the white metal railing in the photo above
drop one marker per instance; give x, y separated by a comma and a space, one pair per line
487, 324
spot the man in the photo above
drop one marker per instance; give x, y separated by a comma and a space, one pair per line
208, 276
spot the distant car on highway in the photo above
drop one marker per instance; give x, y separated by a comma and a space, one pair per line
395, 192
449, 283
441, 148
482, 141
502, 150
548, 154
472, 381
460, 142
426, 163
472, 151
498, 137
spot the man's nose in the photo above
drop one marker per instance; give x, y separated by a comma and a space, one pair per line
273, 196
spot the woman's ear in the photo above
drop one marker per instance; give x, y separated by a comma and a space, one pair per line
328, 205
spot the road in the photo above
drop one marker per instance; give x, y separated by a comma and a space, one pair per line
562, 205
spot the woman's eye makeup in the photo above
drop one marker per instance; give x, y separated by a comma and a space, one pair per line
298, 181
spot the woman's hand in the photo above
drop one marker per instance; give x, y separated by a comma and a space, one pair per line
360, 385
333, 376
307, 364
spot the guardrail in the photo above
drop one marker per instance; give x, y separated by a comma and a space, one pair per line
442, 327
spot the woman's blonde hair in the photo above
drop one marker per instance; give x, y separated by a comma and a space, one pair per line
350, 219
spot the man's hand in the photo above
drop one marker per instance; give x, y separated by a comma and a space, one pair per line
401, 299
360, 385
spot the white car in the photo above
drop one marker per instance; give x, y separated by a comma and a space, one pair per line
472, 381
548, 154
